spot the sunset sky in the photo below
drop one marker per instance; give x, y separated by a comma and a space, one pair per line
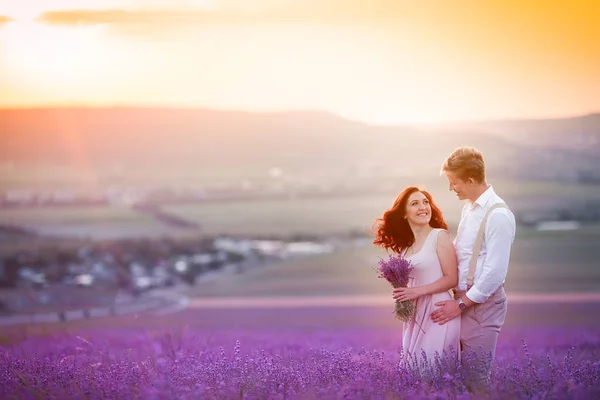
379, 61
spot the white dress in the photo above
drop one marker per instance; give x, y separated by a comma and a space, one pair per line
423, 335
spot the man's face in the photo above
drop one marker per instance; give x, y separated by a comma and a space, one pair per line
458, 186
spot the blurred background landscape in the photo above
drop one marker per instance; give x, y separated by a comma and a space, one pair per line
215, 150
124, 200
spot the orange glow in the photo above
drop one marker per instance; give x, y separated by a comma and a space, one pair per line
77, 153
377, 61
28, 10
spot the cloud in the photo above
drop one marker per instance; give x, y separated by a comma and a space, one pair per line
158, 24
5, 19
429, 13
151, 17
332, 12
475, 27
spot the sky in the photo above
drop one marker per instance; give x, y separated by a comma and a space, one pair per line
378, 61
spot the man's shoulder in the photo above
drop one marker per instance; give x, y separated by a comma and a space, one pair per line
496, 199
500, 216
506, 211
499, 206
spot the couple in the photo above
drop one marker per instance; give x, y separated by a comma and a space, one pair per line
457, 287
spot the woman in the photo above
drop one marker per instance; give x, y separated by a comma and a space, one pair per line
415, 228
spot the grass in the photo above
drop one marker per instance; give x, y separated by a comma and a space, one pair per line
565, 190
193, 174
320, 216
96, 222
312, 216
343, 273
553, 261
79, 215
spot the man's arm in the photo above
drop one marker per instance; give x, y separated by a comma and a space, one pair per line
499, 236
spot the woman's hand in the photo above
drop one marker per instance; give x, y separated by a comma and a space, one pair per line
403, 293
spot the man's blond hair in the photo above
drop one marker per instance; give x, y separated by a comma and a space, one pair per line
466, 162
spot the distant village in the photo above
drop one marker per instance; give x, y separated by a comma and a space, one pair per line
134, 266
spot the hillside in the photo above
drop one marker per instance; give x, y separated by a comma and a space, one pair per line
577, 133
247, 145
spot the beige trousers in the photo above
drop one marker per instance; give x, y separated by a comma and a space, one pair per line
480, 326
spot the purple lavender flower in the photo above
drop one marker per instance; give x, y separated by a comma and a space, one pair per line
274, 360
396, 270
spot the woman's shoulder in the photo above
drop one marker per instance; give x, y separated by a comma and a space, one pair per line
442, 236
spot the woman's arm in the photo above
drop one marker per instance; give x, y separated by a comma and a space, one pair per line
449, 262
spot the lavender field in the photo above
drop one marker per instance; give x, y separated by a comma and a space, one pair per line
338, 352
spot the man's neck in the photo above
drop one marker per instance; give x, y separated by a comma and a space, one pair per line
478, 191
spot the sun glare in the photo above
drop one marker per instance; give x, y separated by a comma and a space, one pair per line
30, 10
42, 51
435, 64
56, 56
21, 12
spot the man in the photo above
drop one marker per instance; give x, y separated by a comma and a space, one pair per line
480, 297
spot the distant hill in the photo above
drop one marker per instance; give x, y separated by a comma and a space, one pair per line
151, 135
576, 133
309, 143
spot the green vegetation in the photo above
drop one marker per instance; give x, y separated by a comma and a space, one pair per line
566, 190
80, 215
541, 261
283, 217
346, 273
550, 262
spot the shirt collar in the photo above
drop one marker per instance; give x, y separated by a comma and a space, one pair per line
484, 198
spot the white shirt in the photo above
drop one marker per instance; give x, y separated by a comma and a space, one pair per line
492, 263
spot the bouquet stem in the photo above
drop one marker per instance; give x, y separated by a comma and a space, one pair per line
406, 311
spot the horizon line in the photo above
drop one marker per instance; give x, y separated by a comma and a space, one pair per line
291, 111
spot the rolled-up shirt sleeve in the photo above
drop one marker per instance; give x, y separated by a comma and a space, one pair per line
499, 236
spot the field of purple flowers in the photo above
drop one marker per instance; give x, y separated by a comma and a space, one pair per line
209, 358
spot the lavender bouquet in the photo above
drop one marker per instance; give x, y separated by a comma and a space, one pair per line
396, 270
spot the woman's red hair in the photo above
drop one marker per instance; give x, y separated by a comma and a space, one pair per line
393, 231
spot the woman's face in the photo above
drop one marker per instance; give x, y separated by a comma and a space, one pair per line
418, 209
